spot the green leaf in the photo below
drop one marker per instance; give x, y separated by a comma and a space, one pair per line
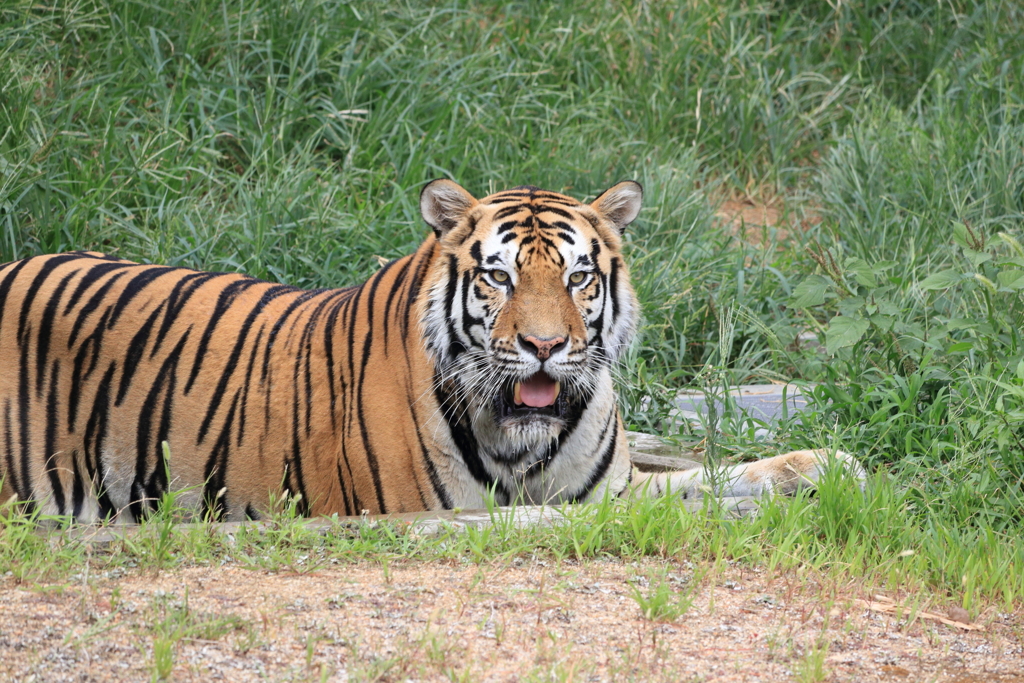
960, 236
941, 280
1011, 279
887, 307
905, 329
954, 324
851, 305
810, 292
1005, 261
844, 331
960, 347
977, 257
882, 322
862, 272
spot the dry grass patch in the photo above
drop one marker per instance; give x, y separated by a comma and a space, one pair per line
760, 221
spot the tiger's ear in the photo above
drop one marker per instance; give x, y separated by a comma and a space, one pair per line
443, 203
620, 204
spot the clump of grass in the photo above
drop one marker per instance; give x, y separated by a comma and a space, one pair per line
663, 602
163, 658
172, 620
811, 667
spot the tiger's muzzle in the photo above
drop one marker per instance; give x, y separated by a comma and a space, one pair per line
538, 396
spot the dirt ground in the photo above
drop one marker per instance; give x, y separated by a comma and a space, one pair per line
528, 620
750, 220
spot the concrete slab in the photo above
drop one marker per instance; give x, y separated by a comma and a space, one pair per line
99, 538
653, 454
768, 403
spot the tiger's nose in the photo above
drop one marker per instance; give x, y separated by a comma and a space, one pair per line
542, 347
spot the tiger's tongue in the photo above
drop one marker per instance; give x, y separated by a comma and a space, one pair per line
539, 391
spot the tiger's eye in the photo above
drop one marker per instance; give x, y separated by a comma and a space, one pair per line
577, 277
499, 276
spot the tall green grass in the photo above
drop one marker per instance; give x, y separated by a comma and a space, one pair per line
289, 140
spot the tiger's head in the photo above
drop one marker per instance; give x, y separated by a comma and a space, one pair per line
530, 303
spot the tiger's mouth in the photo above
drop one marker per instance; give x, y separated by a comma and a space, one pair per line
539, 395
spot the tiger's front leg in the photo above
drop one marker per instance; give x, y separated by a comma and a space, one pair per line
785, 474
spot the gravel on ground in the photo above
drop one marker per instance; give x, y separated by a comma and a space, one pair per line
521, 619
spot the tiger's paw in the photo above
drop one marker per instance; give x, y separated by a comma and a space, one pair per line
790, 472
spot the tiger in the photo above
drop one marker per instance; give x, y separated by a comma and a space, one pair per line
477, 370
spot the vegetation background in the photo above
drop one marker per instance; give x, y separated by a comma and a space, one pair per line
289, 139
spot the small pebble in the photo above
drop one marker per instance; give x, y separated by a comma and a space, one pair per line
958, 613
